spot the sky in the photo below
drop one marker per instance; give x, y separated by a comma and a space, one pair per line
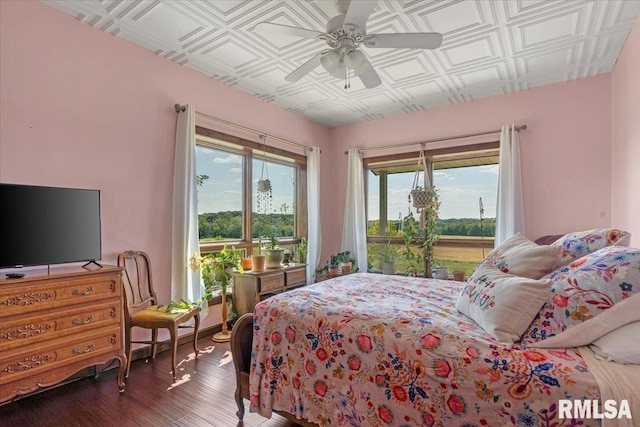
459, 189
223, 190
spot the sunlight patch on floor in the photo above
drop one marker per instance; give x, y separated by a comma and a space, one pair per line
183, 379
227, 358
191, 357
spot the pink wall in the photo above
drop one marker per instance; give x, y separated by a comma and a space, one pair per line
565, 152
82, 108
625, 112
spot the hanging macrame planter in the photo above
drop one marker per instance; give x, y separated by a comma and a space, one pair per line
265, 193
421, 196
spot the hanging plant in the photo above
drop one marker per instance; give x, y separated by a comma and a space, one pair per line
265, 193
425, 200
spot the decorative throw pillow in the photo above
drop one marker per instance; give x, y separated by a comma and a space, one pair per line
621, 345
581, 243
586, 288
520, 256
502, 304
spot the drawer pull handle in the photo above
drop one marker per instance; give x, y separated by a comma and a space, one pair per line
78, 351
87, 292
78, 322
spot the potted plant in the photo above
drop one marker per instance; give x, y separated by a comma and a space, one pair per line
413, 258
429, 224
387, 256
257, 260
343, 261
440, 272
332, 266
274, 254
301, 252
423, 235
217, 269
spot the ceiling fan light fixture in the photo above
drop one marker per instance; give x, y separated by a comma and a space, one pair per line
364, 64
353, 59
339, 71
330, 61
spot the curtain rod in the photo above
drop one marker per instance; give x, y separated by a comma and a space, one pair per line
406, 144
180, 108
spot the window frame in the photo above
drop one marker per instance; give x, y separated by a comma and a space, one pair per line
250, 150
411, 158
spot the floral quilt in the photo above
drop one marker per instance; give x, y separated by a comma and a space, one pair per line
377, 350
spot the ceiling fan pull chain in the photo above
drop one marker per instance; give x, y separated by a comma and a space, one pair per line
346, 70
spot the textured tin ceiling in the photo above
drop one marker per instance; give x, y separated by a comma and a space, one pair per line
489, 47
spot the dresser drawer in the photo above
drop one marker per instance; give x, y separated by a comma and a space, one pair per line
47, 295
296, 277
44, 326
57, 353
271, 282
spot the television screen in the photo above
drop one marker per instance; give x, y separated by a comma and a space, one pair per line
48, 225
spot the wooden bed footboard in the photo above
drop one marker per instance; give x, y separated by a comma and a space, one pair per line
241, 341
241, 344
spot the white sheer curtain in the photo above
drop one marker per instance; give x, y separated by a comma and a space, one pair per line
510, 210
314, 239
354, 231
185, 283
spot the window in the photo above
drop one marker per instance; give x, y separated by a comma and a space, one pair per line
463, 176
220, 194
273, 213
231, 210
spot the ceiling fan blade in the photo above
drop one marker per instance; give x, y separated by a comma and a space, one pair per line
304, 69
358, 13
268, 28
369, 77
404, 41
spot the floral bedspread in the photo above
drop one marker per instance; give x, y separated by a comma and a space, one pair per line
375, 350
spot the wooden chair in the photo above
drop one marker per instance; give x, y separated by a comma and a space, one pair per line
141, 308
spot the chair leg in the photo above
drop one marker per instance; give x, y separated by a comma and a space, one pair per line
173, 330
154, 345
196, 328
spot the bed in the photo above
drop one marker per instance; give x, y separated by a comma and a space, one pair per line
376, 350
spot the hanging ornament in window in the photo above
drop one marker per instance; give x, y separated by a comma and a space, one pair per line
265, 194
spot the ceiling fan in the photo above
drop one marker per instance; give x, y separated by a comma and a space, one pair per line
345, 33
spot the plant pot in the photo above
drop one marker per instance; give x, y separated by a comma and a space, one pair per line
388, 267
273, 258
246, 263
257, 262
458, 276
345, 267
441, 273
333, 270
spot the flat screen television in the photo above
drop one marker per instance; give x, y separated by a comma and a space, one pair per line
48, 225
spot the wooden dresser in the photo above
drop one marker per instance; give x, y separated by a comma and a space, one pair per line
254, 286
54, 325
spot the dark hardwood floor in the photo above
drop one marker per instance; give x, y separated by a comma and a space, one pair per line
202, 395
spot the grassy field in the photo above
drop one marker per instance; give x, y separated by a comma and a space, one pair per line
455, 258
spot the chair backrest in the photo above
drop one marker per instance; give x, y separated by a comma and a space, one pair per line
137, 280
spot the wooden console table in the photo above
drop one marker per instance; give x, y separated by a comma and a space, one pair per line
54, 325
254, 286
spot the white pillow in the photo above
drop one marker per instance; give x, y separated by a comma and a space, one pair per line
522, 257
621, 345
504, 305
